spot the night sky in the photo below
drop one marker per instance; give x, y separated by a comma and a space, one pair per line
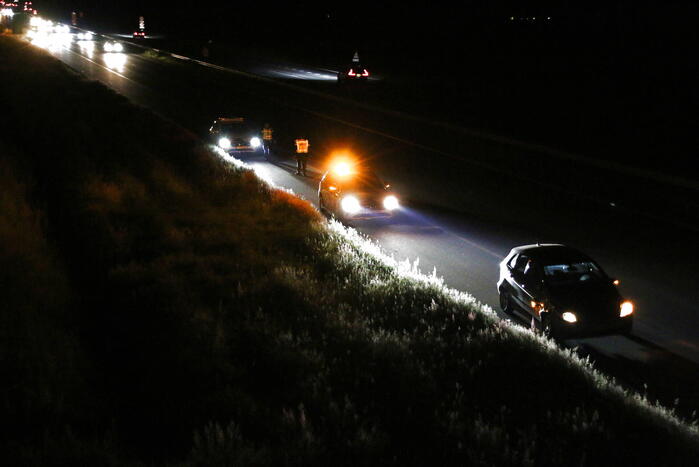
424, 24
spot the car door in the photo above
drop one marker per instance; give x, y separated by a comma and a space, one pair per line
532, 287
330, 191
516, 282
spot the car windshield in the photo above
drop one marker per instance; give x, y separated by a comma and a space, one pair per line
234, 128
572, 273
363, 181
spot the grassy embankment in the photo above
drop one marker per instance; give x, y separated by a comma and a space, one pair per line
162, 306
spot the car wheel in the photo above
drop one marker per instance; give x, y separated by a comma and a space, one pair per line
505, 302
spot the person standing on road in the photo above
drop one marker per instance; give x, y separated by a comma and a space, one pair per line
301, 155
267, 138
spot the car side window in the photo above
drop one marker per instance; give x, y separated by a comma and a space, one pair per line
512, 262
330, 180
532, 276
520, 263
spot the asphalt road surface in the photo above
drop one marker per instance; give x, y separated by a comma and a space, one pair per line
657, 266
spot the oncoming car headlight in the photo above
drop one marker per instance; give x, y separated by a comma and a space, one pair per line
255, 142
569, 317
625, 309
113, 47
390, 202
224, 143
350, 204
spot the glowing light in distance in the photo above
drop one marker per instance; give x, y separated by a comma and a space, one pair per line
350, 204
342, 169
113, 47
87, 47
255, 142
390, 202
115, 61
224, 143
569, 317
626, 309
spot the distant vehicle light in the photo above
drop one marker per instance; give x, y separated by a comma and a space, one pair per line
626, 309
224, 143
350, 204
390, 202
569, 317
351, 73
365, 73
255, 142
113, 47
342, 169
616, 282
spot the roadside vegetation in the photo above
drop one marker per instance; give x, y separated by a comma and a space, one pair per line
161, 306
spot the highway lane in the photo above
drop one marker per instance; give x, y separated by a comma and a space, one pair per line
464, 249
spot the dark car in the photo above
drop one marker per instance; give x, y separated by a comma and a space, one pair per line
348, 191
563, 292
140, 34
236, 135
353, 72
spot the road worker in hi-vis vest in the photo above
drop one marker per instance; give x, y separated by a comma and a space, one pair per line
267, 137
301, 155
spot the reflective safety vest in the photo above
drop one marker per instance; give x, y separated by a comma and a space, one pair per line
301, 146
267, 134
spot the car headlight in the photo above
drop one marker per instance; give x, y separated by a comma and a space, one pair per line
224, 143
390, 202
108, 47
350, 204
569, 317
118, 47
625, 309
255, 142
